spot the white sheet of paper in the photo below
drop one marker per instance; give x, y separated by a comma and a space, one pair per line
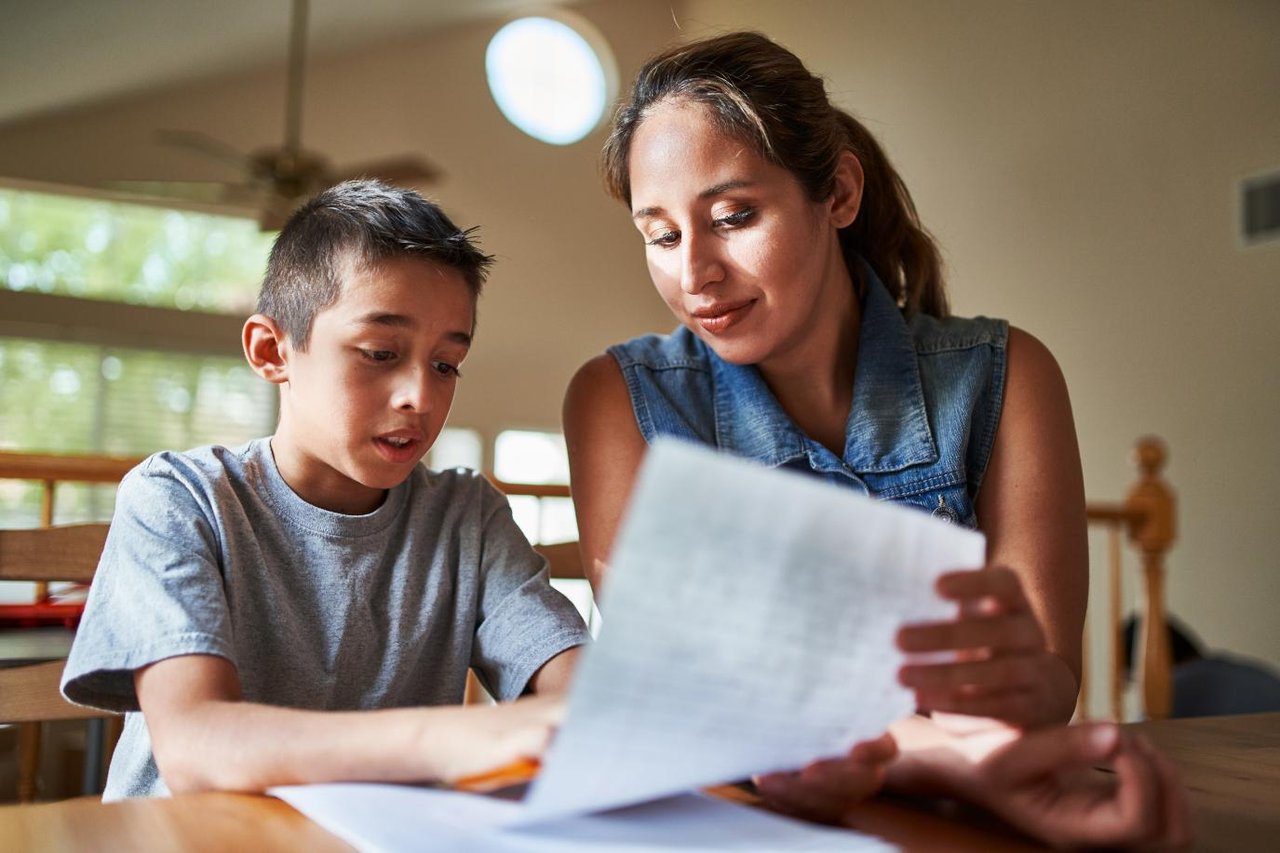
403, 817
749, 617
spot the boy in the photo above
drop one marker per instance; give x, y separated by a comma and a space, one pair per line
282, 612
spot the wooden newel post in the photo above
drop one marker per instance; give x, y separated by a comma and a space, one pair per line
1153, 532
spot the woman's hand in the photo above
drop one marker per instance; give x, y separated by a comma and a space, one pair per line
1000, 666
825, 789
1089, 785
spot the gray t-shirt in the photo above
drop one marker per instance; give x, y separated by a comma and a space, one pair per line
211, 552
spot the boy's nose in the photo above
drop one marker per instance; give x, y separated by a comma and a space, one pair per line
414, 392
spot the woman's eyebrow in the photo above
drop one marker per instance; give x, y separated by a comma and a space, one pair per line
710, 192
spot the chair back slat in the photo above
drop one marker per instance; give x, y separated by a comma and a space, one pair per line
563, 560
66, 553
29, 694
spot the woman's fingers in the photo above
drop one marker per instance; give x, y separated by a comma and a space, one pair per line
998, 583
1046, 751
1019, 633
1009, 672
882, 750
1174, 825
824, 789
1017, 708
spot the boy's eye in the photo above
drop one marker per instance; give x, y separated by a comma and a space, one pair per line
377, 354
446, 369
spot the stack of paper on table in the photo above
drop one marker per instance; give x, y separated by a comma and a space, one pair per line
749, 617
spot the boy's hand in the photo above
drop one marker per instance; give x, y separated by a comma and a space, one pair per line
823, 790
478, 739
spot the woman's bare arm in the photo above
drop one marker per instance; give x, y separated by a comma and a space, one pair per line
605, 449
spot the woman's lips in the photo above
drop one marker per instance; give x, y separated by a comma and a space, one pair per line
723, 316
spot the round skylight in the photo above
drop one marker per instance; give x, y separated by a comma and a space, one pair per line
548, 79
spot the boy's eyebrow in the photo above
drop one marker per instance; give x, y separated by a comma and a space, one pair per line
709, 192
400, 321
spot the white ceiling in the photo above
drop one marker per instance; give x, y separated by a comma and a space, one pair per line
60, 54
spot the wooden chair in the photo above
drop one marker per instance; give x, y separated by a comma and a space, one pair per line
563, 559
29, 694
1147, 519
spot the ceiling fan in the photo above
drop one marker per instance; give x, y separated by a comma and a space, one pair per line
276, 179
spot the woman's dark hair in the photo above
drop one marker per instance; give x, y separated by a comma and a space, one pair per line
759, 92
354, 225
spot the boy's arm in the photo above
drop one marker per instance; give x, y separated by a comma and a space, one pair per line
204, 737
553, 678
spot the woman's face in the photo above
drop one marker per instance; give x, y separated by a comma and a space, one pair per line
735, 247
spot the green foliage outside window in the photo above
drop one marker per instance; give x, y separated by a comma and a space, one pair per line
129, 252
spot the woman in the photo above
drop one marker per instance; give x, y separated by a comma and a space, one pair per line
815, 335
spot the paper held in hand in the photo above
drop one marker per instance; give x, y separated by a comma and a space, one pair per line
749, 617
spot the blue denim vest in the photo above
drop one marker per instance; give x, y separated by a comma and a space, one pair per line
926, 402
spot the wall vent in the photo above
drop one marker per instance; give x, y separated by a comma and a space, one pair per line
1260, 209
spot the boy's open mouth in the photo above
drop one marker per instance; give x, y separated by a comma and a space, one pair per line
397, 448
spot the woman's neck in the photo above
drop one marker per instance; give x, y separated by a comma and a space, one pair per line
813, 381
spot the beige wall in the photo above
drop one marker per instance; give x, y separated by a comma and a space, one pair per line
1076, 161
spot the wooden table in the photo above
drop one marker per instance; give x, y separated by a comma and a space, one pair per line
1231, 766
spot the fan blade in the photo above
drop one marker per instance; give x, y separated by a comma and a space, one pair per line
275, 212
407, 170
208, 192
203, 143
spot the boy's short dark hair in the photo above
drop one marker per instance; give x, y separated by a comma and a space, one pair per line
357, 223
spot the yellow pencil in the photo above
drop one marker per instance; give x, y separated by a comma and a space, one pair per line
520, 770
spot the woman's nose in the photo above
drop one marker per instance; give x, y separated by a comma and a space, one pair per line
700, 264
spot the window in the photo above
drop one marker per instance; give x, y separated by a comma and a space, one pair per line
540, 458
550, 78
456, 447
119, 328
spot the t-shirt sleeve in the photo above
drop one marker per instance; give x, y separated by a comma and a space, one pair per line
157, 592
523, 621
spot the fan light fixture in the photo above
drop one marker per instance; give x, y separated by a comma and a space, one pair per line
550, 79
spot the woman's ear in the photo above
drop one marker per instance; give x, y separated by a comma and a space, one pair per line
846, 194
266, 348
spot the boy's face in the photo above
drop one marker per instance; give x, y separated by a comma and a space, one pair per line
364, 403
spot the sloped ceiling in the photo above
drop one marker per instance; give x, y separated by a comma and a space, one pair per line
62, 54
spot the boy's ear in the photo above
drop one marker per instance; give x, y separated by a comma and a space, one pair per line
266, 348
846, 195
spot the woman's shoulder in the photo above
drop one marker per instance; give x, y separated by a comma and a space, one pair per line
937, 334
680, 349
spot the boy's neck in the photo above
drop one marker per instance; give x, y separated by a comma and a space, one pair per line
319, 483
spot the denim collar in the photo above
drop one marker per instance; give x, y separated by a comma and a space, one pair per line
888, 428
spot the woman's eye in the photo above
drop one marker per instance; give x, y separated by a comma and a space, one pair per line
664, 238
377, 354
738, 217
